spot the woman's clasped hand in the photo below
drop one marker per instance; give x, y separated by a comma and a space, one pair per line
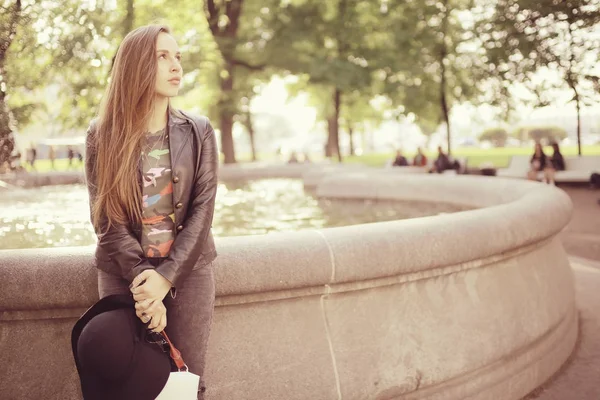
149, 289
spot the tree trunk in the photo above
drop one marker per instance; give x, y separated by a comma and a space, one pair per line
226, 114
126, 28
129, 18
337, 98
251, 134
443, 55
572, 81
351, 139
333, 140
7, 140
578, 105
224, 31
226, 124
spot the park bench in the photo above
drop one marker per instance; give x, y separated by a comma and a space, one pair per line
577, 169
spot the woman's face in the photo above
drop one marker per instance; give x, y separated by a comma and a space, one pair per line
169, 72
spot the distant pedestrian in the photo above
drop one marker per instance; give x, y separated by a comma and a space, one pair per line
554, 163
420, 159
293, 158
52, 156
70, 155
443, 162
400, 160
33, 156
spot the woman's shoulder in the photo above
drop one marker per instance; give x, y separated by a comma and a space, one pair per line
198, 119
90, 139
201, 122
92, 126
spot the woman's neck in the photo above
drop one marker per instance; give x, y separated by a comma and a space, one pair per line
158, 119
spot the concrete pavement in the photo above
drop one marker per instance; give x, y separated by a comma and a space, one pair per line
579, 379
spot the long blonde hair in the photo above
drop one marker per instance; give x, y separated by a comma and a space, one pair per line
122, 121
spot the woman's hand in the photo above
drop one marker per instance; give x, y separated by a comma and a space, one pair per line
150, 285
154, 312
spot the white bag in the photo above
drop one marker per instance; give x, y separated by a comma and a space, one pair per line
181, 385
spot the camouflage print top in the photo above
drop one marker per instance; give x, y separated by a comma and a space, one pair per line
158, 218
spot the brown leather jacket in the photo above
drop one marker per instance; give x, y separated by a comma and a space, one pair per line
194, 162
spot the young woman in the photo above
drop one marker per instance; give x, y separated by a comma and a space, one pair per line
152, 178
537, 163
557, 163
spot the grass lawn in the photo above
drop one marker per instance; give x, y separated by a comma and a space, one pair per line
61, 164
499, 157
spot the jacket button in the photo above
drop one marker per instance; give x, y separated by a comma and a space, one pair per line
175, 179
178, 205
179, 228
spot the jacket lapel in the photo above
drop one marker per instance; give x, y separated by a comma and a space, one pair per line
179, 137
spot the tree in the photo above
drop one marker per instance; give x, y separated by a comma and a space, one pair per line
9, 20
529, 35
242, 31
359, 113
439, 64
497, 136
247, 121
330, 44
62, 50
548, 134
71, 61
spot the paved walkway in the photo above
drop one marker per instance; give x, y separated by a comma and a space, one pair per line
582, 236
579, 379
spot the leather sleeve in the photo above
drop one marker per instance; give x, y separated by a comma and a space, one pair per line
119, 243
189, 242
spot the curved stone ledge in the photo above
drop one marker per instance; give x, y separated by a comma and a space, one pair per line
259, 170
35, 179
472, 305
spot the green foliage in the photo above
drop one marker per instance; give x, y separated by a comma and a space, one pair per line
333, 46
388, 59
544, 134
497, 136
326, 40
436, 63
522, 37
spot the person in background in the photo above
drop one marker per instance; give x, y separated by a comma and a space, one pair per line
293, 158
537, 163
420, 159
556, 163
70, 155
400, 160
33, 156
52, 156
595, 180
442, 162
16, 161
306, 158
